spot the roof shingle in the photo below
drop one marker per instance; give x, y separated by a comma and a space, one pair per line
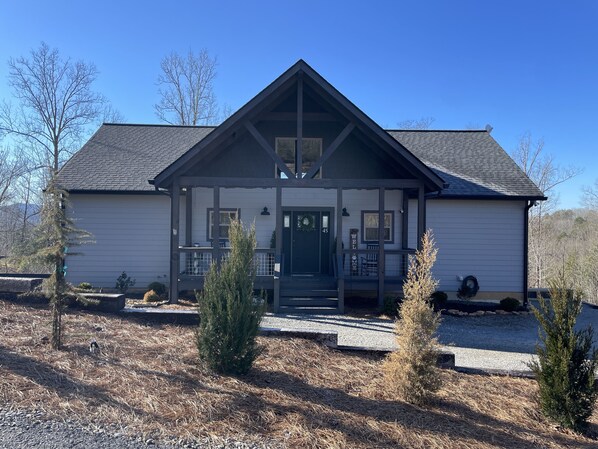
124, 157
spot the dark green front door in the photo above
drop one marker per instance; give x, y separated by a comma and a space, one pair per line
305, 256
306, 241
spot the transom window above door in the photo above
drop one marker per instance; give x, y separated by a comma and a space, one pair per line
286, 148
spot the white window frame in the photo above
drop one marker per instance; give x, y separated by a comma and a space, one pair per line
237, 213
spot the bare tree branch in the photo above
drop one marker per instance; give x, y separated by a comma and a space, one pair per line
590, 195
419, 124
186, 89
56, 104
546, 174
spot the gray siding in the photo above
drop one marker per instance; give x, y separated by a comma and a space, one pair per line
252, 201
130, 233
480, 238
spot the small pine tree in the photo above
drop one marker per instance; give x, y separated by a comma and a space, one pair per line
229, 312
55, 234
566, 365
411, 373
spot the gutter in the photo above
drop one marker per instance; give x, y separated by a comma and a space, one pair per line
528, 206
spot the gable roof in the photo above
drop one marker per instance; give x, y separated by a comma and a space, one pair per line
280, 84
471, 162
122, 158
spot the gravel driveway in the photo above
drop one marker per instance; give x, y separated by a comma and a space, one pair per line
503, 342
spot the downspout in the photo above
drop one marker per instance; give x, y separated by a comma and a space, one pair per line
528, 206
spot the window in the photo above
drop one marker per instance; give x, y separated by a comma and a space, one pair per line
369, 226
226, 216
286, 148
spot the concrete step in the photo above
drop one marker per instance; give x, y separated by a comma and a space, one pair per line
309, 293
308, 302
309, 310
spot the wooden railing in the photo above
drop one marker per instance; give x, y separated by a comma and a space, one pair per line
196, 260
363, 263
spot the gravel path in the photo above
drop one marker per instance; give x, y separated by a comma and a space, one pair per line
502, 342
28, 430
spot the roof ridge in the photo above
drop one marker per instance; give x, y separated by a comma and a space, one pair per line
162, 125
438, 130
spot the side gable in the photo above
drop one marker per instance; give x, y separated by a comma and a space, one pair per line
326, 113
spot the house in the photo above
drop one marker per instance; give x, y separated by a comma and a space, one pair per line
338, 203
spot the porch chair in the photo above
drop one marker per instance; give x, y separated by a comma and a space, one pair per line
369, 263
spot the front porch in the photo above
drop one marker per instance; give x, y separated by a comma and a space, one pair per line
337, 202
345, 265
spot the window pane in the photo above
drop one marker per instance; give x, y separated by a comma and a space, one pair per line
286, 150
225, 219
312, 150
370, 224
371, 233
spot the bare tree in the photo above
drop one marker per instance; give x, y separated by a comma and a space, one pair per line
590, 195
546, 174
11, 168
187, 90
56, 104
419, 124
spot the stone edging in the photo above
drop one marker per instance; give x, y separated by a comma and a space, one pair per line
455, 312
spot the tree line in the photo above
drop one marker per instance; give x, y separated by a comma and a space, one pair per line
54, 109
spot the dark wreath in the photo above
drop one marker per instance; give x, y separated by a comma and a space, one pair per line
469, 287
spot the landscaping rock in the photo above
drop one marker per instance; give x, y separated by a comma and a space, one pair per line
19, 284
105, 302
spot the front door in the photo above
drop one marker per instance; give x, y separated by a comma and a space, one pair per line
307, 239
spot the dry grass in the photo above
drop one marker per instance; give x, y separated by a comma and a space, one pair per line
147, 381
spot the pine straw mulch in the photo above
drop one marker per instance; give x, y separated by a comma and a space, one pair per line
147, 381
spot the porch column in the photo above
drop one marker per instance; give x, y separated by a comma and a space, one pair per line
405, 229
421, 215
299, 169
339, 251
381, 247
188, 222
174, 241
216, 230
278, 250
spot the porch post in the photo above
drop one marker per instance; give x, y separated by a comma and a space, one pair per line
216, 230
174, 241
278, 250
339, 251
405, 229
381, 247
421, 215
188, 222
298, 168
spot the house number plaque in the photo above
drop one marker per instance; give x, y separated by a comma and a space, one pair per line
353, 245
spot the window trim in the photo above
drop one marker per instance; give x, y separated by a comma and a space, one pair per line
209, 214
319, 139
392, 226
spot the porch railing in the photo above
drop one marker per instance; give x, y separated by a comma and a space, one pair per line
196, 261
363, 263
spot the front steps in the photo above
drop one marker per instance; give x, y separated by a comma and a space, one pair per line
309, 295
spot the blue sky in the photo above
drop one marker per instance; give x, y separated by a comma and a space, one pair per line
521, 66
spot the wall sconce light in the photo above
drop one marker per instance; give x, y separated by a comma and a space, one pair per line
265, 211
345, 213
